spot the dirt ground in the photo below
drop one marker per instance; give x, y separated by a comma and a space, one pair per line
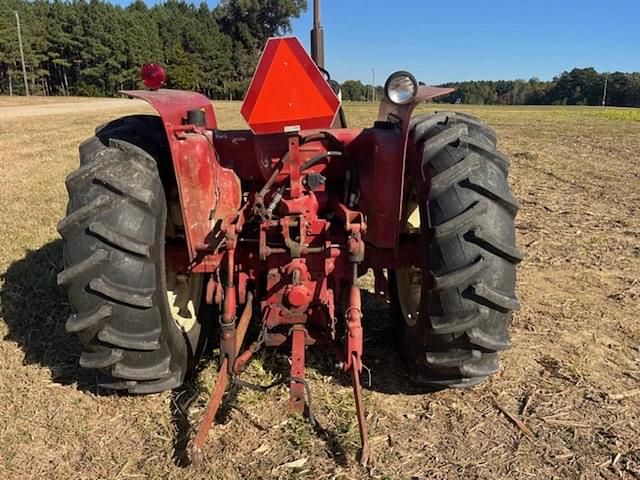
565, 405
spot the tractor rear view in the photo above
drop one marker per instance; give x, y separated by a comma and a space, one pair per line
178, 232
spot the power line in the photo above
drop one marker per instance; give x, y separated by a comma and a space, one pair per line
24, 68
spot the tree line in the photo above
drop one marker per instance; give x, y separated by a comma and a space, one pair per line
580, 86
94, 48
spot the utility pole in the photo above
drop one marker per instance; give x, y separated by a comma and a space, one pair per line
373, 84
24, 68
604, 90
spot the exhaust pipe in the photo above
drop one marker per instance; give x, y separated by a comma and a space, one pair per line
317, 37
317, 54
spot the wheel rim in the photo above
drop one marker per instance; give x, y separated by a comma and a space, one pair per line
409, 280
184, 292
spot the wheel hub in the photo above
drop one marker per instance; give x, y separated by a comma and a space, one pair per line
409, 280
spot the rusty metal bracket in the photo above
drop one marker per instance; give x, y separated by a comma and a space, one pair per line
222, 382
297, 390
353, 220
353, 359
362, 420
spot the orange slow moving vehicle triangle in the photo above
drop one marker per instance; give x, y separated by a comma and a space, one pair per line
288, 92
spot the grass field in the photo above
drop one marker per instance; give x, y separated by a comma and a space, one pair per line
572, 378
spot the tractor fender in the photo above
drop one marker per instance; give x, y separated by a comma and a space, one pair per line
172, 105
387, 167
209, 193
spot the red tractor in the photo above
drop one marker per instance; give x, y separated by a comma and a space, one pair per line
176, 229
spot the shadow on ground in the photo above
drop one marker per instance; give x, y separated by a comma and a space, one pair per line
35, 310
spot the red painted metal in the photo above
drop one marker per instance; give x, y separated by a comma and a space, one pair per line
376, 152
354, 343
172, 105
228, 348
288, 92
209, 192
298, 271
222, 381
392, 112
400, 116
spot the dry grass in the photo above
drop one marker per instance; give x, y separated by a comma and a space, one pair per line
576, 338
625, 114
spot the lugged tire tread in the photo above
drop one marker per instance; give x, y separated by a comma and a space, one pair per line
461, 222
495, 299
489, 342
169, 383
437, 382
119, 240
496, 157
101, 359
489, 242
459, 276
494, 192
437, 143
138, 155
460, 322
485, 366
87, 149
153, 372
475, 122
142, 388
138, 298
451, 358
82, 321
143, 197
76, 218
81, 268
119, 185
454, 175
147, 341
90, 170
423, 124
470, 216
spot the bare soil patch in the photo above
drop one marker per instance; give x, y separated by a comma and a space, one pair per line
73, 106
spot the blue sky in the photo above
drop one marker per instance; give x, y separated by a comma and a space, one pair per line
454, 40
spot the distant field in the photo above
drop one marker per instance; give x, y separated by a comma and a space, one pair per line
13, 101
572, 377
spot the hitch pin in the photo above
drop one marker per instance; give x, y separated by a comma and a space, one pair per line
275, 201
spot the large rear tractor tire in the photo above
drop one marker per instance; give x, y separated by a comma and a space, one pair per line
139, 324
454, 312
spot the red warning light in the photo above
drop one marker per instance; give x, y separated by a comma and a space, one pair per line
153, 76
288, 92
